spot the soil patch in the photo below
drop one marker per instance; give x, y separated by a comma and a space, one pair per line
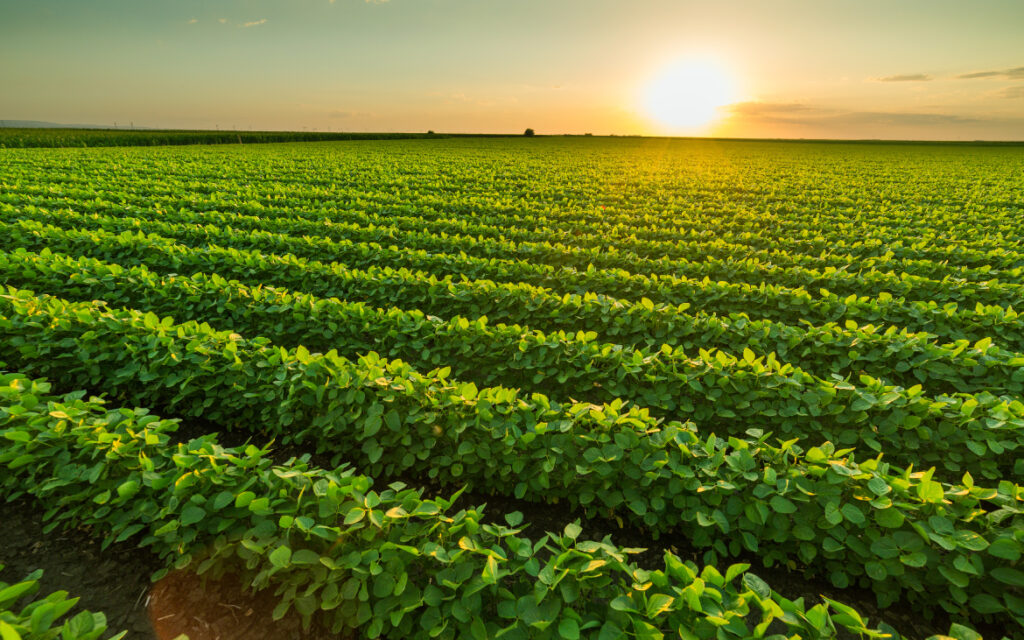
220, 609
113, 581
116, 582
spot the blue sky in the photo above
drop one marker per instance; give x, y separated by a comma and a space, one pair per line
798, 69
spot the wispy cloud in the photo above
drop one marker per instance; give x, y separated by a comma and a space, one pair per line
772, 111
1011, 93
1017, 73
254, 23
907, 77
222, 20
803, 114
193, 21
342, 114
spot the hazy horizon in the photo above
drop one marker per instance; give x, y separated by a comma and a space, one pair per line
781, 69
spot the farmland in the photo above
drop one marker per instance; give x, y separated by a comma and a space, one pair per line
317, 360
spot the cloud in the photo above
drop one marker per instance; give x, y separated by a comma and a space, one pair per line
904, 118
1011, 93
342, 114
1017, 73
753, 108
783, 112
796, 113
222, 20
907, 77
254, 23
193, 21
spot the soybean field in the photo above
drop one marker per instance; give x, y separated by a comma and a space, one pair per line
793, 372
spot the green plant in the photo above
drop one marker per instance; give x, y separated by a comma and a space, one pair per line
39, 618
388, 562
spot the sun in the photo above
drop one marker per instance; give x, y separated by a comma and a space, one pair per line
688, 94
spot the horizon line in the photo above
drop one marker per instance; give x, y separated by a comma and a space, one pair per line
62, 127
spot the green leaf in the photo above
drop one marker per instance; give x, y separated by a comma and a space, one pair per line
1008, 576
970, 540
875, 570
960, 632
372, 425
490, 572
44, 615
281, 557
191, 515
646, 631
757, 585
832, 513
1006, 549
305, 556
658, 604
782, 505
569, 629
879, 486
7, 632
889, 518
573, 530
984, 603
9, 594
852, 513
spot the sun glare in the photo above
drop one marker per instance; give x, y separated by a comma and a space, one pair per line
688, 94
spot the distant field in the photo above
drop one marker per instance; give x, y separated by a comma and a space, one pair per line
16, 138
800, 355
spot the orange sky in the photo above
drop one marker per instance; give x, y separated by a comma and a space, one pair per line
843, 69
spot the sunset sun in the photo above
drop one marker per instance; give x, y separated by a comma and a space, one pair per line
688, 94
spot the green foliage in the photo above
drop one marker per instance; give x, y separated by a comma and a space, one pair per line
507, 261
899, 357
39, 618
953, 432
809, 353
388, 562
899, 531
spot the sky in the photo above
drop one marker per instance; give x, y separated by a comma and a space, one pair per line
912, 69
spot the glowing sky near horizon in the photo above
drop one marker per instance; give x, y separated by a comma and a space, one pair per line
782, 68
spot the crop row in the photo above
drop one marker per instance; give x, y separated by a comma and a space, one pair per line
899, 531
684, 263
327, 203
578, 246
898, 357
387, 562
980, 434
766, 300
978, 239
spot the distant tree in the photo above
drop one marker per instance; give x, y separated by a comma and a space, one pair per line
430, 132
528, 132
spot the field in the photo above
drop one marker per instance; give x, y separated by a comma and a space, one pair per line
785, 369
18, 138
